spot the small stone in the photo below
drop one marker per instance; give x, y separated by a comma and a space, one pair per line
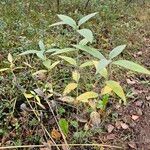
134, 117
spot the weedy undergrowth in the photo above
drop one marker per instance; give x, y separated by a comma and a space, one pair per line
103, 66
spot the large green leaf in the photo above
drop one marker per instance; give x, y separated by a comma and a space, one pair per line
115, 86
68, 20
86, 18
40, 54
69, 60
116, 51
65, 50
132, 66
52, 50
87, 34
63, 123
29, 52
83, 42
94, 52
103, 63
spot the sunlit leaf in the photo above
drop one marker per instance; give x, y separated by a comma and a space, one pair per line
103, 72
88, 63
86, 18
57, 23
54, 64
40, 54
70, 87
65, 50
52, 50
132, 66
106, 90
47, 63
115, 86
41, 45
116, 51
29, 52
10, 59
69, 60
4, 69
28, 95
68, 20
63, 123
103, 63
87, 95
40, 71
83, 42
92, 51
76, 75
87, 34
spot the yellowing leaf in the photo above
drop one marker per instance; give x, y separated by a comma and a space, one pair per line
10, 59
39, 101
69, 88
69, 60
102, 72
4, 69
67, 99
87, 95
115, 86
106, 90
75, 75
55, 134
28, 95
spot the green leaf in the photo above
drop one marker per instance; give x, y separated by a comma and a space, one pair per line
88, 63
57, 23
87, 34
116, 51
104, 73
86, 18
41, 45
40, 54
92, 51
54, 64
68, 20
103, 63
47, 63
70, 87
132, 66
69, 60
29, 52
83, 42
63, 123
87, 95
115, 86
65, 50
52, 50
4, 69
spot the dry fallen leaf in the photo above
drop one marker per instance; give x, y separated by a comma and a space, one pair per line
132, 145
55, 134
131, 82
110, 136
124, 125
95, 118
134, 117
118, 124
110, 128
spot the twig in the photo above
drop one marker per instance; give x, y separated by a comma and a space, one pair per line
60, 145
